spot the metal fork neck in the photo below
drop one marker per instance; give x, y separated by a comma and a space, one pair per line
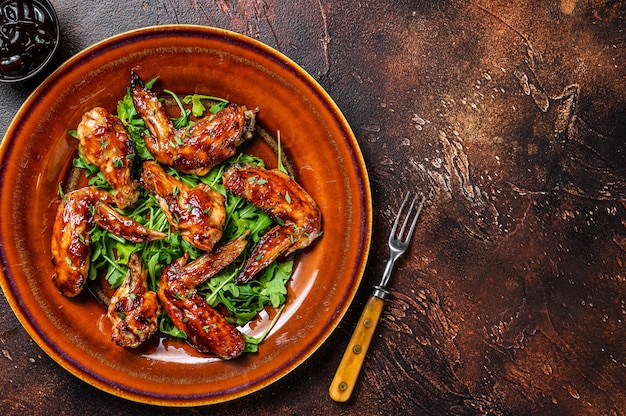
380, 292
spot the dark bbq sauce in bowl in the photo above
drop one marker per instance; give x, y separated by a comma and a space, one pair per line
29, 34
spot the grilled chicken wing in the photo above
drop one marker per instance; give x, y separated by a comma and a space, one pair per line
71, 239
105, 143
134, 310
198, 213
195, 149
206, 329
283, 199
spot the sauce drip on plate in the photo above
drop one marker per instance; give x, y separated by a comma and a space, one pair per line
27, 37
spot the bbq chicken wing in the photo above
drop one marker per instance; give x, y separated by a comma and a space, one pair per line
71, 238
297, 214
207, 330
198, 213
134, 310
105, 143
199, 147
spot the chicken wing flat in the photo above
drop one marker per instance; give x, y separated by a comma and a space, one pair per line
298, 216
198, 213
71, 238
199, 147
105, 143
134, 310
207, 330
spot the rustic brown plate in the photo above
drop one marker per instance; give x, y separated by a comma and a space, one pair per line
36, 155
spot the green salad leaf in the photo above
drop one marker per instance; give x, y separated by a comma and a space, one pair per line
197, 104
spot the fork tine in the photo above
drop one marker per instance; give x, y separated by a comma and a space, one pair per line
406, 220
398, 215
417, 214
401, 237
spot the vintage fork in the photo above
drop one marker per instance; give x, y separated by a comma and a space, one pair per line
348, 371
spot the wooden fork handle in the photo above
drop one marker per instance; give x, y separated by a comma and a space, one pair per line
350, 365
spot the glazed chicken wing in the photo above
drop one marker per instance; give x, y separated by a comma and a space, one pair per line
71, 238
134, 310
207, 330
105, 143
283, 199
198, 213
71, 241
194, 149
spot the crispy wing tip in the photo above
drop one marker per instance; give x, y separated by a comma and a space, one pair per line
135, 81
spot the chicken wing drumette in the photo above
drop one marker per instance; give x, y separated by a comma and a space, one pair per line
198, 213
298, 216
199, 147
105, 143
134, 310
71, 238
207, 330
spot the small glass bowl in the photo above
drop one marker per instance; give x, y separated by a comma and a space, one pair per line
29, 38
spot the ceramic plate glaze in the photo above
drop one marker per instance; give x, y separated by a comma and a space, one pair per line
36, 155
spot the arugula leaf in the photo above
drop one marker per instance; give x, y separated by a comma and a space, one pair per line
96, 178
281, 166
150, 83
167, 327
245, 301
197, 106
252, 343
183, 119
274, 281
61, 192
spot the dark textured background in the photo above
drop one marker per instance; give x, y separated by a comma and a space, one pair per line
510, 117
